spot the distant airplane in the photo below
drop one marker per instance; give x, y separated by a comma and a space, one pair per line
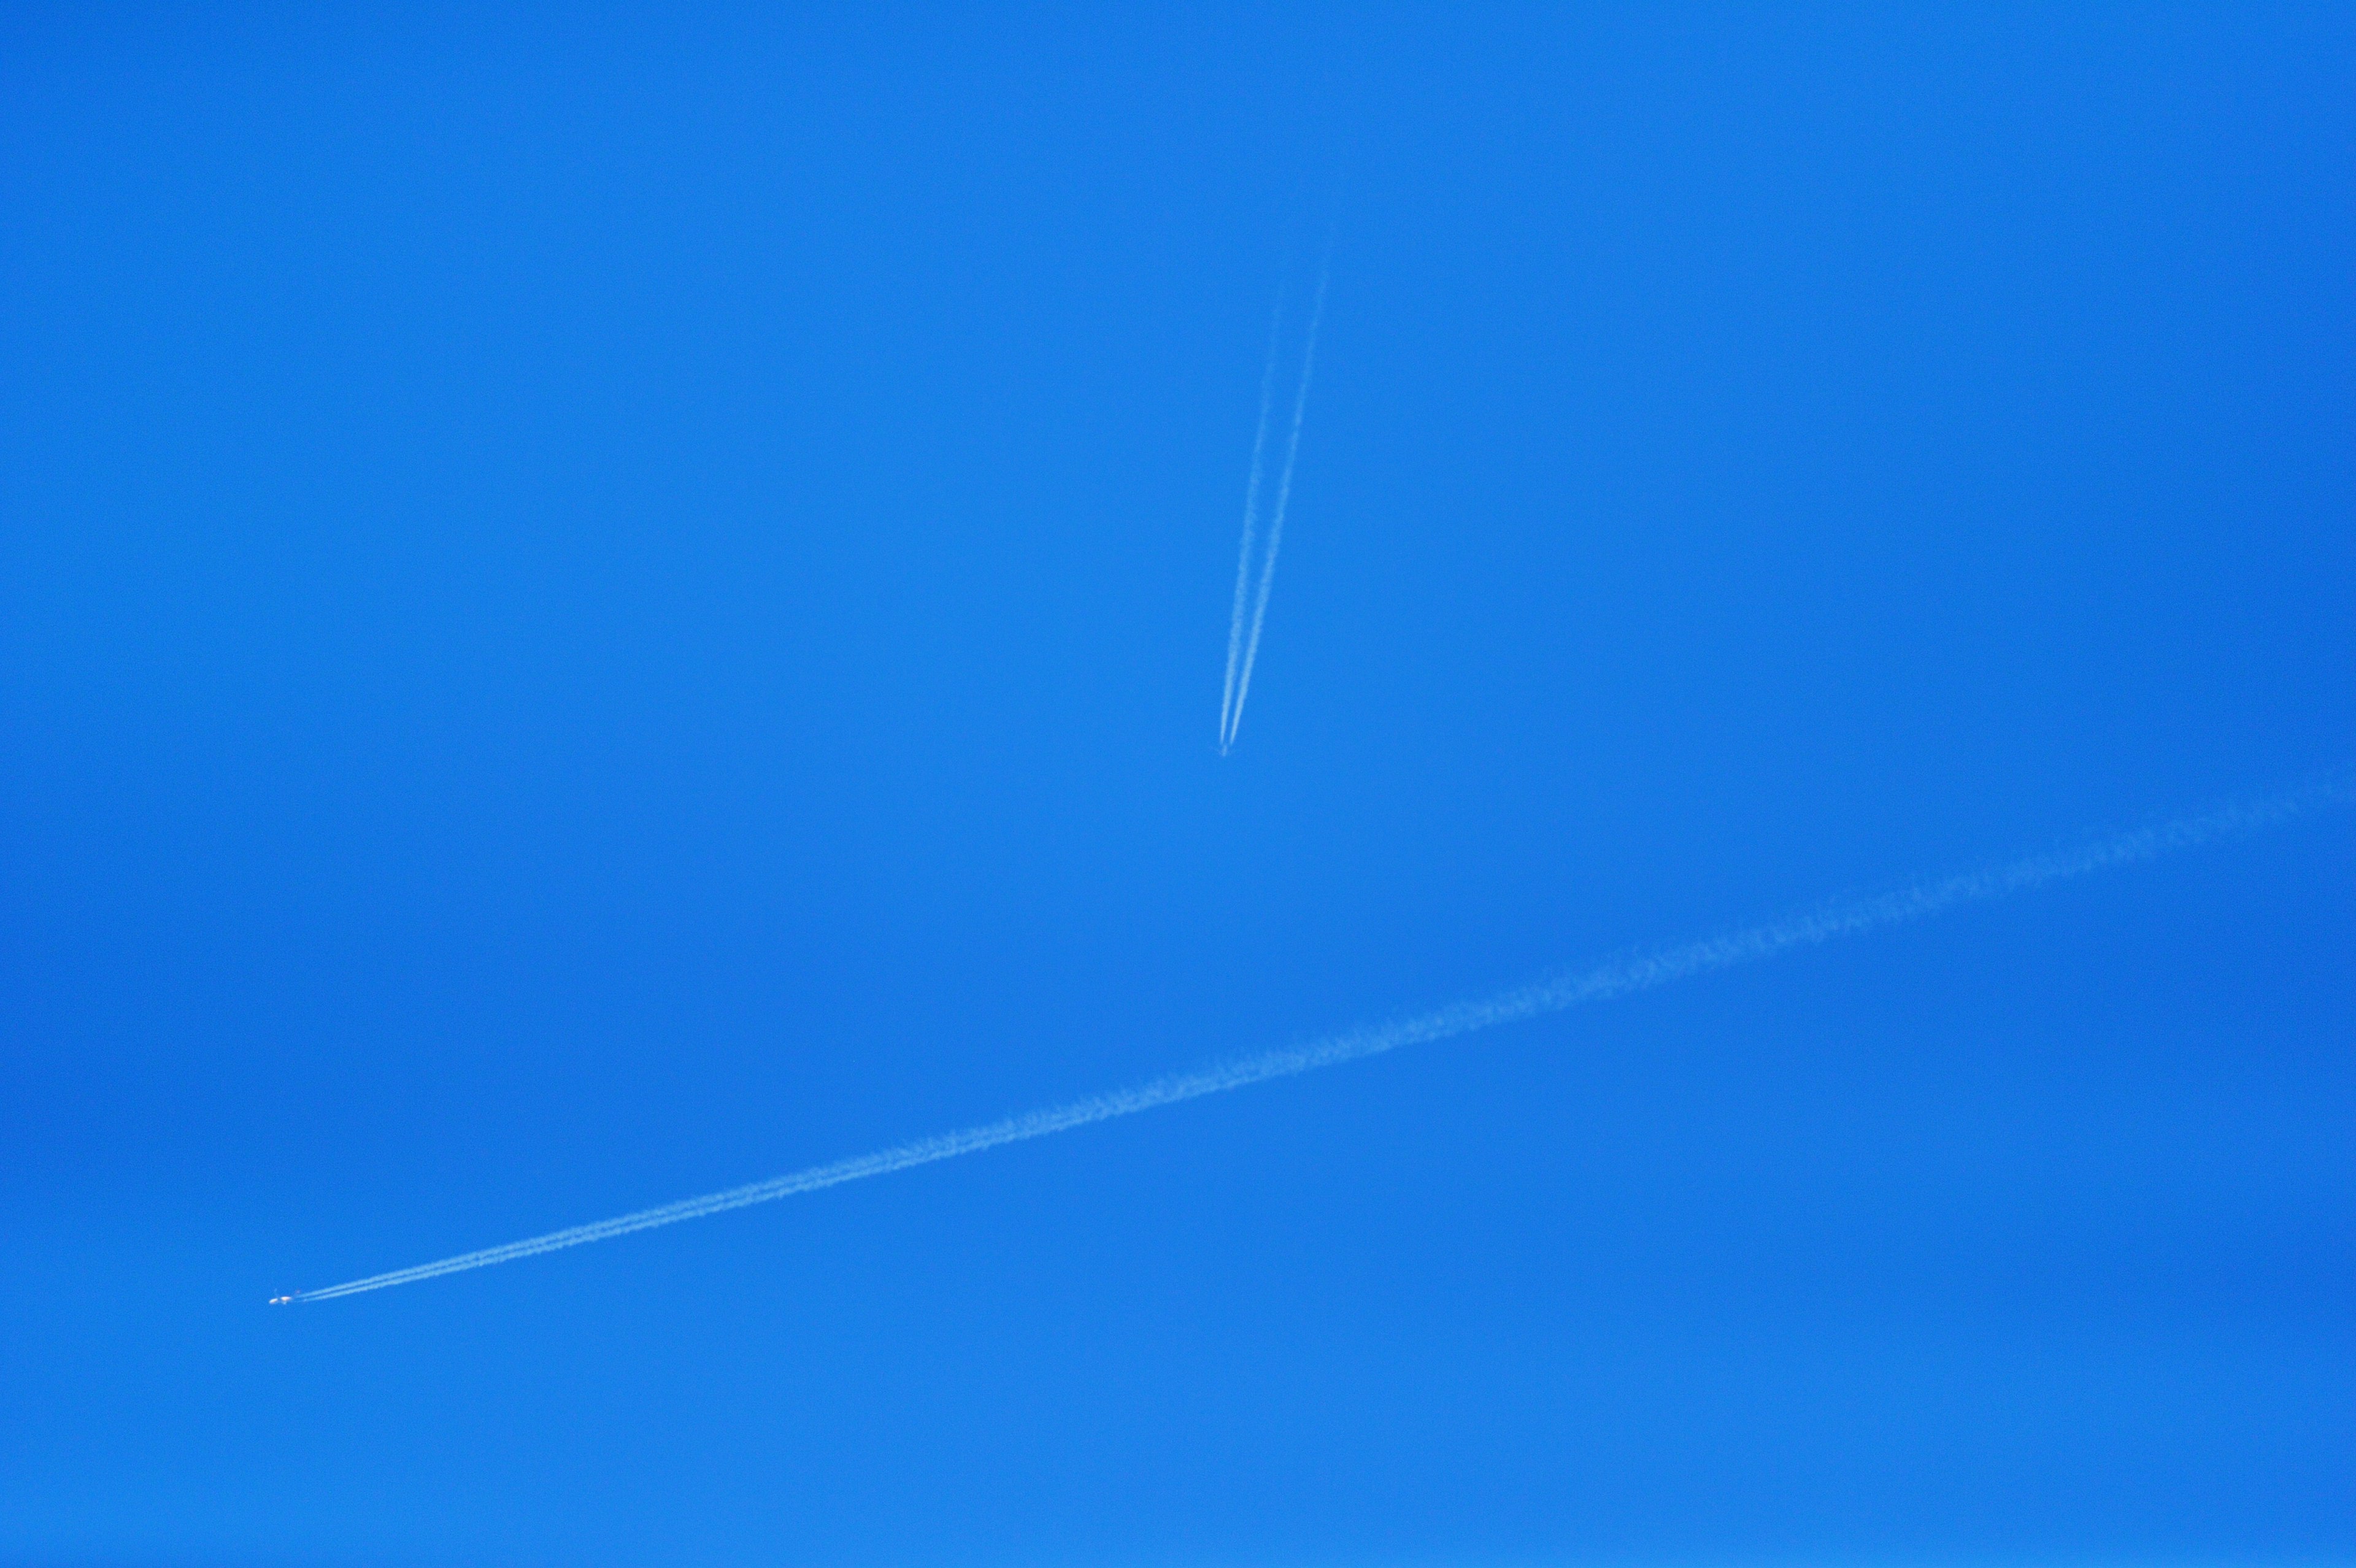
280, 1300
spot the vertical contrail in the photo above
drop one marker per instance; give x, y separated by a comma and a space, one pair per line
1251, 515
1283, 496
1602, 982
1250, 610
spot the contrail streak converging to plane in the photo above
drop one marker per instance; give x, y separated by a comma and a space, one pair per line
1243, 649
1602, 982
1251, 523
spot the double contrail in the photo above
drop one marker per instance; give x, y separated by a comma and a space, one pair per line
1243, 644
1616, 977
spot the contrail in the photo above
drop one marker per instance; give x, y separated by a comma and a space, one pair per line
1615, 977
1243, 650
1251, 515
1283, 495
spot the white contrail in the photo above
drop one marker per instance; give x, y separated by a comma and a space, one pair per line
1617, 977
1276, 517
1251, 516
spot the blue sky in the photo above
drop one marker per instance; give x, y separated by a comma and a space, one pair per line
595, 606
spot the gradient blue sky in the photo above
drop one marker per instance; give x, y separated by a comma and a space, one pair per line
595, 606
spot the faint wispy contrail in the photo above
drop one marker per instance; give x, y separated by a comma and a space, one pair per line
1615, 977
1243, 648
1251, 518
1276, 517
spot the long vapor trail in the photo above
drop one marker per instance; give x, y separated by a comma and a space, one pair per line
1243, 650
1251, 519
1615, 977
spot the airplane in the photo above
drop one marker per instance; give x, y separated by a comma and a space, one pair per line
280, 1300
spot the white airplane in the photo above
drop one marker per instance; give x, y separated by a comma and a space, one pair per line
280, 1300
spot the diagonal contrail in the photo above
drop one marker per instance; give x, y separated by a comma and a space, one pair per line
1616, 977
1276, 518
1251, 518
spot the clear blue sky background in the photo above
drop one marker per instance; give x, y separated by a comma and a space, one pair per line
596, 606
